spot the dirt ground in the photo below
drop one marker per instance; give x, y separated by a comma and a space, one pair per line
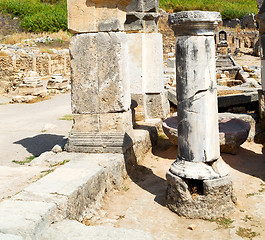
140, 204
248, 60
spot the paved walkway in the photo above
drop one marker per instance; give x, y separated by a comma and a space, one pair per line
26, 130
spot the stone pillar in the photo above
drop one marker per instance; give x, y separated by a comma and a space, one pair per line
199, 185
145, 60
99, 73
260, 17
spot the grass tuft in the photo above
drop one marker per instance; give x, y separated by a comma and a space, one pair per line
27, 160
67, 117
246, 233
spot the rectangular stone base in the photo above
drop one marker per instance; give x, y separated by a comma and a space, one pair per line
98, 142
100, 133
149, 106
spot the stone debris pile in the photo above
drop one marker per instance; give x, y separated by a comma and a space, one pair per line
58, 83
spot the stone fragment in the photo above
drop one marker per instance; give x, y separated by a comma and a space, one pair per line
142, 16
233, 133
249, 21
192, 227
57, 82
96, 16
208, 199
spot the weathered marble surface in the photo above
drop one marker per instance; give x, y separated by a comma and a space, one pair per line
213, 199
142, 16
86, 16
145, 68
100, 93
198, 162
197, 99
100, 82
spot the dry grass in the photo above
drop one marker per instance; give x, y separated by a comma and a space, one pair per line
19, 37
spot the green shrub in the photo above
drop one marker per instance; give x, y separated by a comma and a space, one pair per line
229, 8
38, 15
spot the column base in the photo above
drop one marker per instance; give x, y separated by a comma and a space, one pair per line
101, 133
199, 170
98, 142
206, 199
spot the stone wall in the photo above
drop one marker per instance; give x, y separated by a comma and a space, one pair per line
13, 65
245, 41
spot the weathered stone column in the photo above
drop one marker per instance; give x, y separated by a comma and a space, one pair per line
198, 182
261, 20
99, 71
145, 60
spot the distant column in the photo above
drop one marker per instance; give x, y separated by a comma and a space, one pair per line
145, 60
261, 20
198, 167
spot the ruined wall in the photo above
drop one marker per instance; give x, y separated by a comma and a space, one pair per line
15, 65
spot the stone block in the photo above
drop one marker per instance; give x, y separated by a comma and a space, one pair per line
99, 73
78, 185
143, 6
10, 237
96, 16
157, 105
153, 65
141, 22
212, 198
106, 122
28, 219
108, 132
145, 74
69, 230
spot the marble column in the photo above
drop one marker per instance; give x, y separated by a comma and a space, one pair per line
260, 17
145, 60
199, 170
99, 73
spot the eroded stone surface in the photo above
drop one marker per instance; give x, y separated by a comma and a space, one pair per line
198, 140
142, 16
146, 77
69, 230
212, 198
96, 16
99, 73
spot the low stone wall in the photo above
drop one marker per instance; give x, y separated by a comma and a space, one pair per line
15, 65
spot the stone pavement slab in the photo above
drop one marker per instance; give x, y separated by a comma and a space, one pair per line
73, 230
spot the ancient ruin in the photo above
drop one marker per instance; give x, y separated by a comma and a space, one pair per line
261, 20
100, 84
199, 185
149, 99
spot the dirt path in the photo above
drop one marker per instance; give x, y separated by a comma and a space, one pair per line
29, 130
248, 60
141, 203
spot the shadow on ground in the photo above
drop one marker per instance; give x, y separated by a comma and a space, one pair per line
247, 161
41, 143
144, 176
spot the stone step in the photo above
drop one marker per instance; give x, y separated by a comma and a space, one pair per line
73, 230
